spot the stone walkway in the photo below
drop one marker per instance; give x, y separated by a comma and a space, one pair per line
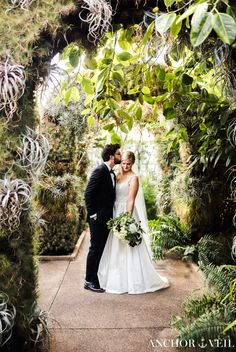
83, 321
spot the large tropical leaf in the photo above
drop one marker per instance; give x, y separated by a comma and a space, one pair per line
164, 22
225, 27
201, 28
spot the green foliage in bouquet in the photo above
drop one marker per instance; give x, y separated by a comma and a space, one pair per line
126, 229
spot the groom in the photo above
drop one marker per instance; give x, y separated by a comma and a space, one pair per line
99, 198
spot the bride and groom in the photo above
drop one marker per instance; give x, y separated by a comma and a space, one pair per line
114, 266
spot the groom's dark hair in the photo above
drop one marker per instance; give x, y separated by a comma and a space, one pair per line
108, 150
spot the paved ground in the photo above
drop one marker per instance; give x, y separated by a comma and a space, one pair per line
83, 321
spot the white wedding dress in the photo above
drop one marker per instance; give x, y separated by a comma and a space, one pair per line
125, 269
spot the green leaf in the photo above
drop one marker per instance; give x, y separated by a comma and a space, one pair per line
169, 113
134, 90
183, 134
125, 56
87, 85
148, 33
187, 13
90, 121
75, 94
117, 76
138, 113
129, 121
122, 114
201, 25
169, 2
115, 138
225, 27
90, 63
199, 15
67, 96
123, 128
74, 56
176, 27
164, 22
109, 127
160, 72
146, 90
122, 41
85, 111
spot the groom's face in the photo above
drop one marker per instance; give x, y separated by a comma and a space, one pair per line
117, 157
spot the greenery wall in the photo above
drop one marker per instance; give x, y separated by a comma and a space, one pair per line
179, 66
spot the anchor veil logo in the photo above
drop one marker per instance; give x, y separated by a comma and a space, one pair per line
203, 343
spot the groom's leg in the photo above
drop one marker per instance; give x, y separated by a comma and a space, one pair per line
98, 237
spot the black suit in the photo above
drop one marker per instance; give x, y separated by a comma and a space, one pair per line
99, 198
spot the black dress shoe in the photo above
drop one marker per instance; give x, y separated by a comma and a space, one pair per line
93, 287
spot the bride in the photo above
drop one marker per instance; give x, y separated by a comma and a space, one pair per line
125, 269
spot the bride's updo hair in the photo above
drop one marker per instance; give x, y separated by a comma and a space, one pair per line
128, 155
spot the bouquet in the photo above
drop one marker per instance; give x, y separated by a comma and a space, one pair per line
126, 229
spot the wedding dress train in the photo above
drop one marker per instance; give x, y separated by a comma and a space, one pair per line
125, 269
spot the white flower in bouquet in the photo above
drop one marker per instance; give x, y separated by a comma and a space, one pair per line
132, 228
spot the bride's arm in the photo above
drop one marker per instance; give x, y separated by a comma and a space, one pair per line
133, 190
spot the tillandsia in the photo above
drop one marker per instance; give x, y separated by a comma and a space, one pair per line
98, 18
50, 75
7, 319
14, 196
12, 86
231, 133
24, 4
34, 152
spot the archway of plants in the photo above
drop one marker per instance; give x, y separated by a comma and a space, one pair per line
173, 73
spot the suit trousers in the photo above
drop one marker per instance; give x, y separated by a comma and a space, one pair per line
98, 237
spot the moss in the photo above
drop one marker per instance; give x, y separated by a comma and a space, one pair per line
21, 29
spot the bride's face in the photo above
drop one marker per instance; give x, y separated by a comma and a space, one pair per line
126, 165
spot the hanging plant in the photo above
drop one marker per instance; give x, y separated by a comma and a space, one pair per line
35, 152
12, 86
13, 198
98, 18
24, 4
7, 319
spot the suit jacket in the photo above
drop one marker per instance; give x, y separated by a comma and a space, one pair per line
100, 194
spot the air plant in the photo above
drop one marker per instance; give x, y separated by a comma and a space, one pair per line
38, 325
50, 77
24, 4
98, 18
231, 133
34, 152
14, 196
12, 86
7, 319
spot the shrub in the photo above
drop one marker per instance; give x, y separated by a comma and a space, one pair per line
150, 197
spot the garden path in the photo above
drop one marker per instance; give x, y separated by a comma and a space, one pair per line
87, 321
